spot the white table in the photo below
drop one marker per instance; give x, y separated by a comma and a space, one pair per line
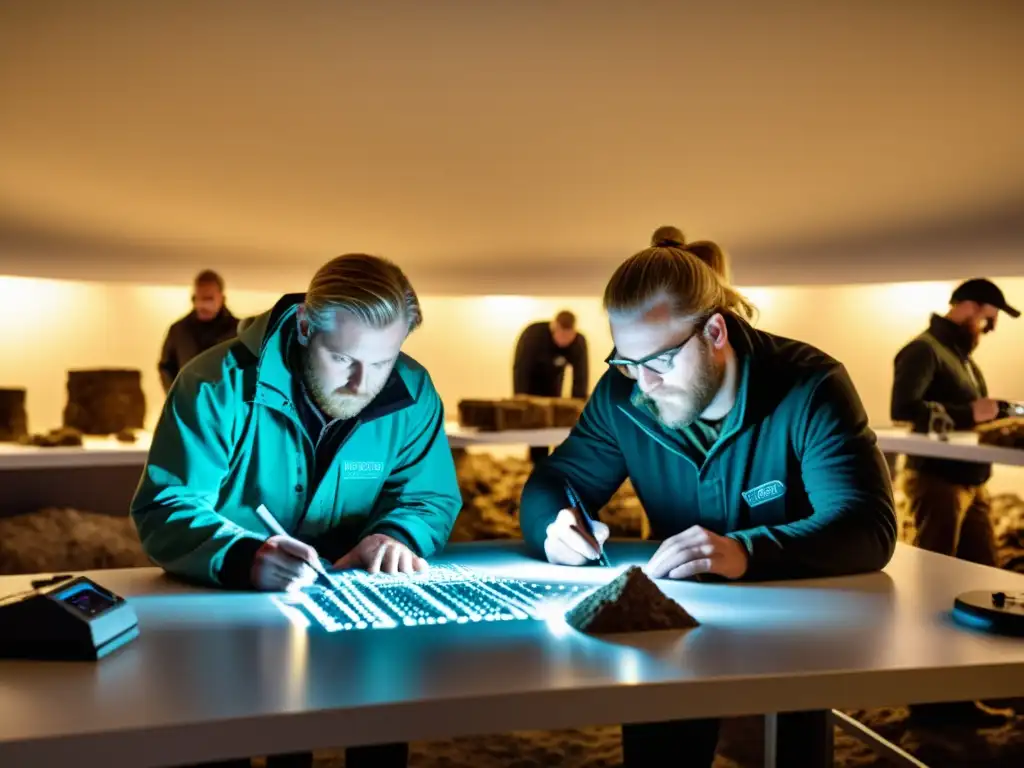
217, 675
95, 452
961, 446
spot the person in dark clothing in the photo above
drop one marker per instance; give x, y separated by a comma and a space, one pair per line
948, 500
208, 324
542, 354
752, 455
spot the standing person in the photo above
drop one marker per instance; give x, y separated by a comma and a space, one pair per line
542, 353
752, 454
315, 413
209, 323
947, 499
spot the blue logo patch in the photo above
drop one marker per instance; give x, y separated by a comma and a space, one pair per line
764, 493
362, 470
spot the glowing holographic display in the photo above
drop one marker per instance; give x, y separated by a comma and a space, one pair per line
446, 594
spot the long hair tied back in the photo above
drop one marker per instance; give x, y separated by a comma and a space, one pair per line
694, 277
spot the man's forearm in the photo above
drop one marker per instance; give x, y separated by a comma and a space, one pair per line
855, 539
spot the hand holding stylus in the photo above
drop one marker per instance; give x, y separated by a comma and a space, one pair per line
569, 543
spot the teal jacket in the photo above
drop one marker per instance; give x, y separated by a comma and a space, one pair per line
230, 438
795, 474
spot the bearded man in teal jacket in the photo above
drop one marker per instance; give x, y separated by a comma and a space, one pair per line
314, 413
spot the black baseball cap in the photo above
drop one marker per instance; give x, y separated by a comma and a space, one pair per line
983, 291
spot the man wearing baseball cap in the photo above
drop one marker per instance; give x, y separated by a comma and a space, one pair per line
948, 499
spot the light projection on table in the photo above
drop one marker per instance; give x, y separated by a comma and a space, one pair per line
445, 594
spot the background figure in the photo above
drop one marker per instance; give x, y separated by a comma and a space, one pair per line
947, 499
208, 324
542, 353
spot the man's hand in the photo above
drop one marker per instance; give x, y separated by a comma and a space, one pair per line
283, 563
984, 409
567, 542
697, 550
378, 552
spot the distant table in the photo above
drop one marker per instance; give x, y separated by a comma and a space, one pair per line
102, 475
218, 675
962, 446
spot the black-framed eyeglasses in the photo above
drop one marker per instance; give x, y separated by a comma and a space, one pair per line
660, 362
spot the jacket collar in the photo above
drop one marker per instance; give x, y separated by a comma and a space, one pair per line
951, 335
271, 337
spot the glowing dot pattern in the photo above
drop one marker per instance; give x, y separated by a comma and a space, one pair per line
446, 594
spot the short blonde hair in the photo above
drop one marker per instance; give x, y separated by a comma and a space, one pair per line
370, 288
692, 277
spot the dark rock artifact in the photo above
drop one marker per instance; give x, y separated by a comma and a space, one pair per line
13, 419
104, 402
629, 603
520, 412
1008, 433
62, 437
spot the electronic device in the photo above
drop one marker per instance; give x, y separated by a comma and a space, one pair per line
67, 618
441, 595
998, 612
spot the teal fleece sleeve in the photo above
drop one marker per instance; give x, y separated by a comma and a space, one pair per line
589, 458
420, 500
853, 526
174, 508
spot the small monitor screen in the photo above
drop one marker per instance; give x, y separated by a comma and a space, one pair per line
86, 599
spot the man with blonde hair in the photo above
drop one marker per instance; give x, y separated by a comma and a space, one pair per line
752, 455
315, 413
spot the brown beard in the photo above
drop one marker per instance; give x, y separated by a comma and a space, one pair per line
694, 401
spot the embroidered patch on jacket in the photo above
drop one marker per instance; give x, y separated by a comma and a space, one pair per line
362, 470
765, 492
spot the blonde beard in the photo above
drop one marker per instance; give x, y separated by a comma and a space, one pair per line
335, 404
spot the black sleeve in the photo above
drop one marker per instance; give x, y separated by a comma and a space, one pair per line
852, 528
168, 365
914, 369
580, 368
526, 353
589, 458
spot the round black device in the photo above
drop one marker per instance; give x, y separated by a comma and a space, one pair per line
999, 612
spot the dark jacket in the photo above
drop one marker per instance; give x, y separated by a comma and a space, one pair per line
190, 336
231, 438
539, 367
796, 475
937, 367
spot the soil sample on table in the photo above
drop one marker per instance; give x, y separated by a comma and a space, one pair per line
62, 437
13, 418
105, 402
566, 411
629, 603
505, 414
1006, 433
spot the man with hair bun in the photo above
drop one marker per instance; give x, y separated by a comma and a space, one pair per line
317, 414
751, 452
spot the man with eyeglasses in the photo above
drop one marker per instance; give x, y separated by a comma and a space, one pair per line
751, 454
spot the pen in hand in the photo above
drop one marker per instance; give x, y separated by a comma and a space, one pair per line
275, 528
584, 519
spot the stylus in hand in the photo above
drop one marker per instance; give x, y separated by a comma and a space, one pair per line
275, 528
588, 524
